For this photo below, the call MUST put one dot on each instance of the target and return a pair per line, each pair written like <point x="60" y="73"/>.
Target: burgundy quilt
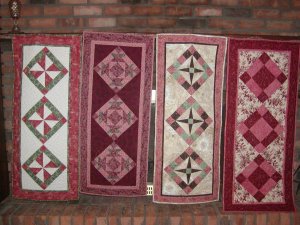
<point x="260" y="125"/>
<point x="46" y="106"/>
<point x="115" y="113"/>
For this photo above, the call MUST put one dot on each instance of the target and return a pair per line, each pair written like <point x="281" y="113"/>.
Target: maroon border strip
<point x="112" y="38"/>
<point x="75" y="44"/>
<point x="232" y="78"/>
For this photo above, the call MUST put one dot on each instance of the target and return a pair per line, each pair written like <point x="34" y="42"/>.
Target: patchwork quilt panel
<point x="190" y="71"/>
<point x="115" y="113"/>
<point x="260" y="125"/>
<point x="45" y="128"/>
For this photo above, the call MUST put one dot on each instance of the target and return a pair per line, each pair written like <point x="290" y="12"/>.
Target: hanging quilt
<point x="260" y="125"/>
<point x="190" y="72"/>
<point x="115" y="113"/>
<point x="45" y="129"/>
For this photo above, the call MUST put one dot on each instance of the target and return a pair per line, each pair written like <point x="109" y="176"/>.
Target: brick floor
<point x="91" y="210"/>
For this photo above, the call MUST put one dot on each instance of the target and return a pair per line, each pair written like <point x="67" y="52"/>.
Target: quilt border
<point x="148" y="40"/>
<point x="161" y="39"/>
<point x="72" y="41"/>
<point x="230" y="122"/>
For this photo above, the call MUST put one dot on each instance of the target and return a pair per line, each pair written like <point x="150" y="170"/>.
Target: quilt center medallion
<point x="113" y="163"/>
<point x="115" y="117"/>
<point x="117" y="69"/>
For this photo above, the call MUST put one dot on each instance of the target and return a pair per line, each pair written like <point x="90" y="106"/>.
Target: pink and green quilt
<point x="45" y="129"/>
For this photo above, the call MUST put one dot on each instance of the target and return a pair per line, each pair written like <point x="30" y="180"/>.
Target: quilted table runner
<point x="190" y="72"/>
<point x="115" y="113"/>
<point x="45" y="132"/>
<point x="260" y="125"/>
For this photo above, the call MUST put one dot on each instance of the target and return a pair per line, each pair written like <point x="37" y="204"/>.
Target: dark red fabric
<point x="101" y="93"/>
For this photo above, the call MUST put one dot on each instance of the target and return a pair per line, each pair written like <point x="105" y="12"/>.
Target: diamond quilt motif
<point x="117" y="69"/>
<point x="259" y="178"/>
<point x="45" y="70"/>
<point x="115" y="117"/>
<point x="190" y="175"/>
<point x="44" y="119"/>
<point x="43" y="167"/>
<point x="193" y="75"/>
<point x="196" y="122"/>
<point x="263" y="78"/>
<point x="260" y="129"/>
<point x="113" y="163"/>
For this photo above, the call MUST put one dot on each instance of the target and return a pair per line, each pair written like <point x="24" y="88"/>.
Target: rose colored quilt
<point x="115" y="113"/>
<point x="260" y="125"/>
<point x="45" y="129"/>
<point x="190" y="71"/>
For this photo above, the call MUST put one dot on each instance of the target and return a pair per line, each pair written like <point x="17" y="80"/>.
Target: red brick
<point x="297" y="217"/>
<point x="30" y="213"/>
<point x="237" y="219"/>
<point x="102" y="22"/>
<point x="103" y="1"/>
<point x="245" y="3"/>
<point x="161" y="22"/>
<point x="285" y="218"/>
<point x="58" y="10"/>
<point x="31" y="11"/>
<point x="71" y="22"/>
<point x="114" y="214"/>
<point x="78" y="215"/>
<point x="55" y="211"/>
<point x="291" y="14"/>
<point x="131" y="22"/>
<point x="178" y="11"/>
<point x="261" y="219"/>
<point x="18" y="217"/>
<point x="8" y="23"/>
<point x="126" y="214"/>
<point x="42" y="214"/>
<point x="270" y="3"/>
<point x="73" y="1"/>
<point x="296" y="3"/>
<point x="222" y="23"/>
<point x="195" y="1"/>
<point x="65" y="216"/>
<point x="251" y="24"/>
<point x="42" y="22"/>
<point x="211" y="215"/>
<point x="208" y="11"/>
<point x="175" y="214"/>
<point x="117" y="10"/>
<point x="150" y="214"/>
<point x="4" y="11"/>
<point x="164" y="1"/>
<point x="101" y="216"/>
<point x="224" y="2"/>
<point x="279" y="25"/>
<point x="199" y="215"/>
<point x="87" y="10"/>
<point x="5" y="214"/>
<point x="139" y="212"/>
<point x="266" y="13"/>
<point x="187" y="215"/>
<point x="147" y="10"/>
<point x="161" y="212"/>
<point x="250" y="218"/>
<point x="273" y="218"/>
